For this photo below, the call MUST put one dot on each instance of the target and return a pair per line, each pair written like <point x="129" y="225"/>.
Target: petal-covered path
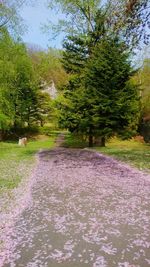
<point x="86" y="210"/>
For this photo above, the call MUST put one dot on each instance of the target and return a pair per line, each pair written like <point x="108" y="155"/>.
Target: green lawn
<point x="133" y="152"/>
<point x="17" y="162"/>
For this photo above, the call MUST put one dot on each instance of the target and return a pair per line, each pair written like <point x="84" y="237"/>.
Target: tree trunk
<point x="98" y="141"/>
<point x="1" y="135"/>
<point x="103" y="141"/>
<point x="90" y="140"/>
<point x="41" y="123"/>
<point x="15" y="117"/>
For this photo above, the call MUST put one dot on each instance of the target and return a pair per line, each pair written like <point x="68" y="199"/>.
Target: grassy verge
<point x="16" y="162"/>
<point x="133" y="152"/>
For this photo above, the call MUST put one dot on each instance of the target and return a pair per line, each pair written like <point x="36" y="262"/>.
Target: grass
<point x="17" y="162"/>
<point x="134" y="152"/>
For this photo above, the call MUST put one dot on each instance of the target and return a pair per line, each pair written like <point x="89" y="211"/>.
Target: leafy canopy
<point x="127" y="18"/>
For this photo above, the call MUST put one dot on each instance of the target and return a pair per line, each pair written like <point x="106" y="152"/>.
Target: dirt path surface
<point x="86" y="210"/>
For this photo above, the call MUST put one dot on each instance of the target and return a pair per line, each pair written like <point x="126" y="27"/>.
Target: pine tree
<point x="99" y="88"/>
<point x="113" y="101"/>
<point x="105" y="102"/>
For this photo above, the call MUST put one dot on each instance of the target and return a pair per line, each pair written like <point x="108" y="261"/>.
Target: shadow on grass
<point x="74" y="141"/>
<point x="29" y="152"/>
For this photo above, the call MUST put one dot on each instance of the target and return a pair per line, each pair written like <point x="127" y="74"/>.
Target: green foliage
<point x="43" y="108"/>
<point x="81" y="13"/>
<point x="100" y="100"/>
<point x="10" y="17"/>
<point x="143" y="77"/>
<point x="22" y="103"/>
<point x="48" y="67"/>
<point x="5" y="122"/>
<point x="75" y="54"/>
<point x="127" y="19"/>
<point x="114" y="99"/>
<point x="70" y="107"/>
<point x="7" y="74"/>
<point x="75" y="141"/>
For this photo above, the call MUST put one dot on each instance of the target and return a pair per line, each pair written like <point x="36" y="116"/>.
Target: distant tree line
<point x="25" y="72"/>
<point x="143" y="77"/>
<point x="22" y="104"/>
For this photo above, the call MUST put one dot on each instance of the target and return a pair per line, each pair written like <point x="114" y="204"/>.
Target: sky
<point x="34" y="17"/>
